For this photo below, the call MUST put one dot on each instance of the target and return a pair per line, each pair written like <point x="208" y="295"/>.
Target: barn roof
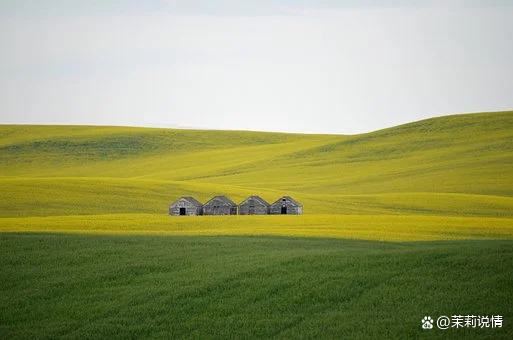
<point x="223" y="199"/>
<point x="290" y="199"/>
<point x="193" y="200"/>
<point x="190" y="199"/>
<point x="257" y="198"/>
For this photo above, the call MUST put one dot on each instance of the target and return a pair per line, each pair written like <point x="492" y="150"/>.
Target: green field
<point x="399" y="223"/>
<point x="248" y="287"/>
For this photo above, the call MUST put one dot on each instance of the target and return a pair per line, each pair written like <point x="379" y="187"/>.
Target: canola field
<point x="394" y="228"/>
<point x="448" y="177"/>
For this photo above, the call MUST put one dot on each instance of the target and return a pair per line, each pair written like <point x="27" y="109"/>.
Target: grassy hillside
<point x="454" y="165"/>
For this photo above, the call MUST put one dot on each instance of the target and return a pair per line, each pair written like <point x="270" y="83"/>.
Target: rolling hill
<point x="455" y="165"/>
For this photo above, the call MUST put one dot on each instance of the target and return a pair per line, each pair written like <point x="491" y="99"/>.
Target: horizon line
<point x="163" y="126"/>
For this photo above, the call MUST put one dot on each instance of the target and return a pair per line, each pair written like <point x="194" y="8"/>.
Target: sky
<point x="328" y="66"/>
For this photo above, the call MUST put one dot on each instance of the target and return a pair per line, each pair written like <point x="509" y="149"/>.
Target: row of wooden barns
<point x="222" y="205"/>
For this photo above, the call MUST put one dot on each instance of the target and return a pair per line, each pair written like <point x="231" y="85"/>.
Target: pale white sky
<point x="302" y="66"/>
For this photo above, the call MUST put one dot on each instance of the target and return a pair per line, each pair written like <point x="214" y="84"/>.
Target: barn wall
<point x="222" y="208"/>
<point x="260" y="208"/>
<point x="190" y="209"/>
<point x="292" y="209"/>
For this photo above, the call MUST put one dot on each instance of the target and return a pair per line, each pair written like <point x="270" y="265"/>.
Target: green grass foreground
<point x="73" y="286"/>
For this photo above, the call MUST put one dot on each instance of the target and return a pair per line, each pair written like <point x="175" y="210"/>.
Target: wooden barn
<point x="254" y="205"/>
<point x="220" y="205"/>
<point x="286" y="206"/>
<point x="186" y="206"/>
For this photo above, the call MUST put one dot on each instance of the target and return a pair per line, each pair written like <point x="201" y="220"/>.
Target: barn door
<point x="251" y="210"/>
<point x="182" y="212"/>
<point x="284" y="210"/>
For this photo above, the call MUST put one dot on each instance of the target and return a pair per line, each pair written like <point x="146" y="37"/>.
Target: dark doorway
<point x="284" y="210"/>
<point x="182" y="211"/>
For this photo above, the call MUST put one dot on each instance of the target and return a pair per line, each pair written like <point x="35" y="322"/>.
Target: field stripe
<point x="398" y="228"/>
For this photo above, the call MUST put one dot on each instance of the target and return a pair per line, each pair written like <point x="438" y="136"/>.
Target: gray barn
<point x="286" y="206"/>
<point x="184" y="206"/>
<point x="254" y="205"/>
<point x="220" y="205"/>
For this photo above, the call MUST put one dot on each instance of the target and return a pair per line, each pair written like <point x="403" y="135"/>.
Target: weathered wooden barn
<point x="254" y="205"/>
<point x="220" y="205"/>
<point x="185" y="206"/>
<point x="286" y="206"/>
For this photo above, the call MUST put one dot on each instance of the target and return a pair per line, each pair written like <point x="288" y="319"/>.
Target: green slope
<point x="454" y="165"/>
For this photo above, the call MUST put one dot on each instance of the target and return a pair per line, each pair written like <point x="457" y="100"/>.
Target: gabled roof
<point x="190" y="199"/>
<point x="256" y="198"/>
<point x="223" y="199"/>
<point x="290" y="199"/>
